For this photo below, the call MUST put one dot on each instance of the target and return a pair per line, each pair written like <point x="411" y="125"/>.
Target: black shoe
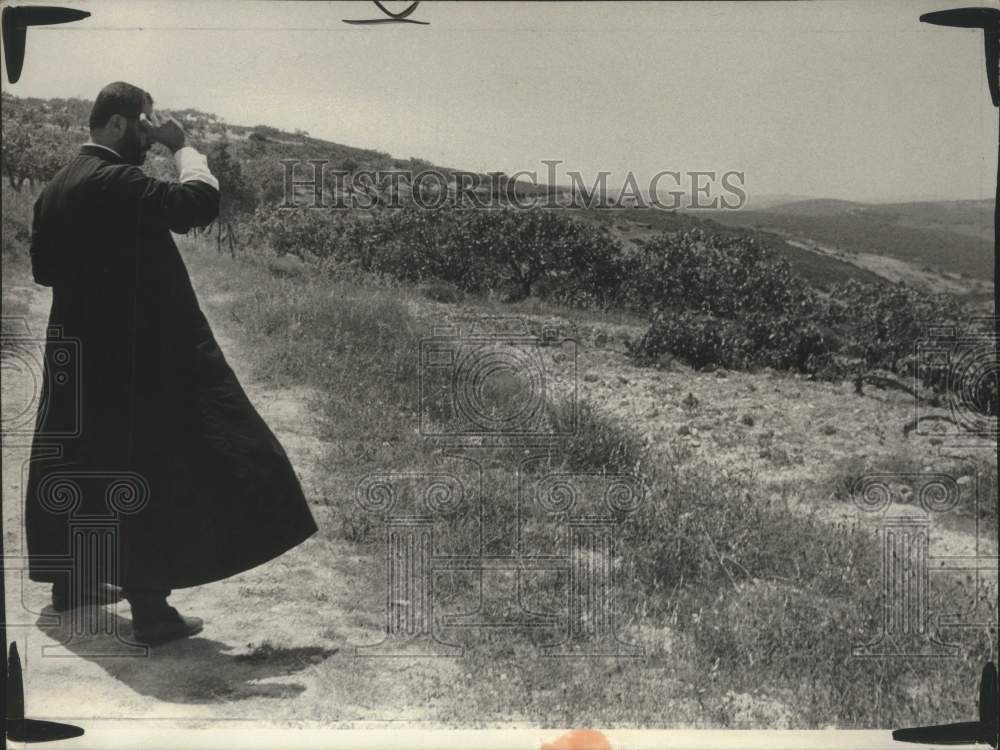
<point x="105" y="593"/>
<point x="173" y="627"/>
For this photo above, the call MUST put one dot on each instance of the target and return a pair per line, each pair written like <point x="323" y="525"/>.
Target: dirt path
<point x="279" y="640"/>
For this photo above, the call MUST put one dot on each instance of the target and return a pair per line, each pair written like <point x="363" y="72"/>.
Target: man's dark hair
<point x="118" y="98"/>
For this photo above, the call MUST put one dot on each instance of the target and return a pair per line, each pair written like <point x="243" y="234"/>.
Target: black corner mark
<point x="15" y="22"/>
<point x="20" y="729"/>
<point x="401" y="17"/>
<point x="987" y="19"/>
<point x="965" y="732"/>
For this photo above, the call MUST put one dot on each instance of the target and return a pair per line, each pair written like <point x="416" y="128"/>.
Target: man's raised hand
<point x="165" y="130"/>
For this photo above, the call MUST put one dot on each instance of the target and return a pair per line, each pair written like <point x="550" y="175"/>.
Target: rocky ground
<point x="797" y="436"/>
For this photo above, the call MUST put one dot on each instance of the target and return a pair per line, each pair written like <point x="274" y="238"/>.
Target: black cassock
<point x="141" y="422"/>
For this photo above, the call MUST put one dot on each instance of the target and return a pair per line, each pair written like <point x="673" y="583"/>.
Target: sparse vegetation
<point x="739" y="594"/>
<point x="508" y="252"/>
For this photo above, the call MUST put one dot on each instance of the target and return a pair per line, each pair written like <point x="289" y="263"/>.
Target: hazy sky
<point x="834" y="99"/>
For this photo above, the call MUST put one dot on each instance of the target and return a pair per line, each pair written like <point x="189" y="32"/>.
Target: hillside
<point x="745" y="541"/>
<point x="66" y="121"/>
<point x="820" y="238"/>
<point x="72" y="114"/>
<point x="733" y="593"/>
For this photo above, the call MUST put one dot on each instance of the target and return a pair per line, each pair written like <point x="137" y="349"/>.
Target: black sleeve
<point x="177" y="206"/>
<point x="45" y="261"/>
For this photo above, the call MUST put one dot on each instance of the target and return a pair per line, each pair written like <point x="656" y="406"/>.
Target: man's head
<point x="114" y="120"/>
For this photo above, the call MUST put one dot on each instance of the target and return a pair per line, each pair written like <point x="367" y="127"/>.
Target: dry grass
<point x="746" y="606"/>
<point x="748" y="609"/>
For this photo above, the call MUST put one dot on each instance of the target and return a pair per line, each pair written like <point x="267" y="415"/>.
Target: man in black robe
<point x="143" y="426"/>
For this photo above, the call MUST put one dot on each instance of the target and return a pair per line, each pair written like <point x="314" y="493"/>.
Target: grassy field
<point x="750" y="608"/>
<point x="745" y="580"/>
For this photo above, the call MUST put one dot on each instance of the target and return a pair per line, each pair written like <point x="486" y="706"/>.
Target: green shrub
<point x="724" y="301"/>
<point x="731" y="302"/>
<point x="757" y="340"/>
<point x="503" y="250"/>
<point x="721" y="276"/>
<point x="886" y="323"/>
<point x="713" y="300"/>
<point x="700" y="339"/>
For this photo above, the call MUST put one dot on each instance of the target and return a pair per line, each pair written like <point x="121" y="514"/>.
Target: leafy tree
<point x="237" y="197"/>
<point x="63" y="119"/>
<point x="256" y="145"/>
<point x="31" y="150"/>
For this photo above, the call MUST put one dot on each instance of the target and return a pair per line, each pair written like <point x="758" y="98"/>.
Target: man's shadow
<point x="189" y="670"/>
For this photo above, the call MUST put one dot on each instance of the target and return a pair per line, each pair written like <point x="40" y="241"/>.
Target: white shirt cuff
<point x="193" y="165"/>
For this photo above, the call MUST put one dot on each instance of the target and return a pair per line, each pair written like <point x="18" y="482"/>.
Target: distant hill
<point x="759" y="202"/>
<point x="817" y="207"/>
<point x="971" y="217"/>
<point x="947" y="237"/>
<point x="974" y="218"/>
<point x="636" y="224"/>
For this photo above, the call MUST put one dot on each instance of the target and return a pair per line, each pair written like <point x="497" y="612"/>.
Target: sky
<point x="852" y="100"/>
